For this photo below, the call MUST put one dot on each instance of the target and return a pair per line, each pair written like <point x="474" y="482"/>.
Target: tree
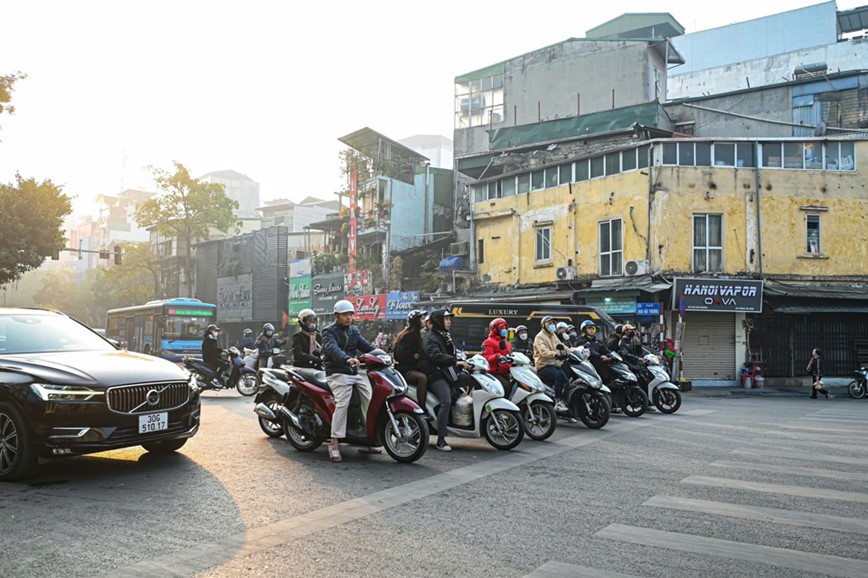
<point x="7" y="85"/>
<point x="32" y="225"/>
<point x="137" y="281"/>
<point x="187" y="210"/>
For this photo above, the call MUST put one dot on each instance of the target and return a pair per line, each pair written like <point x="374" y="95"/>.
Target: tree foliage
<point x="33" y="214"/>
<point x="187" y="209"/>
<point x="7" y="85"/>
<point x="135" y="282"/>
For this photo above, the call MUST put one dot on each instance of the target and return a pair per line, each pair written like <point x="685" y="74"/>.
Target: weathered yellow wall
<point x="678" y="194"/>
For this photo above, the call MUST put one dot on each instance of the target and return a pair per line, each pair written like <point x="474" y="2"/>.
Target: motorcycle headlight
<point x="493" y="386"/>
<point x="51" y="392"/>
<point x="399" y="385"/>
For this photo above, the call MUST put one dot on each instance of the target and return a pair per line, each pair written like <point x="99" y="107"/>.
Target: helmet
<point x="571" y="327"/>
<point x="544" y="322"/>
<point x="628" y="328"/>
<point x="619" y="329"/>
<point x="304" y="314"/>
<point x="520" y="328"/>
<point x="496" y="324"/>
<point x="268" y="329"/>
<point x="211" y="327"/>
<point x="562" y="325"/>
<point x="233" y="351"/>
<point x="587" y="323"/>
<point x="248" y="331"/>
<point x="344" y="306"/>
<point x="414" y="315"/>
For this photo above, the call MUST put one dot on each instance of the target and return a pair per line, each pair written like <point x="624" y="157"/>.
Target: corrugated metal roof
<point x="853" y="20"/>
<point x="639" y="24"/>
<point x="367" y="141"/>
<point x="823" y="308"/>
<point x="816" y="290"/>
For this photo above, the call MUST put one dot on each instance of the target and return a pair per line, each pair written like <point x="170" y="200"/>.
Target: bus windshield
<point x="185" y="327"/>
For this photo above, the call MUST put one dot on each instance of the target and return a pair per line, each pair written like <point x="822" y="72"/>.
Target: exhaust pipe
<point x="263" y="410"/>
<point x="287" y="414"/>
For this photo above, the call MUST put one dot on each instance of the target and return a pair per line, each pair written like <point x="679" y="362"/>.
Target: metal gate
<point x="709" y="346"/>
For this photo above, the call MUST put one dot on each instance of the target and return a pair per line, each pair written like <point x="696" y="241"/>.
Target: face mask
<point x="311" y="327"/>
<point x="212" y="335"/>
<point x="551" y="328"/>
<point x="269" y="333"/>
<point x="503" y="332"/>
<point x="522" y="335"/>
<point x="573" y="334"/>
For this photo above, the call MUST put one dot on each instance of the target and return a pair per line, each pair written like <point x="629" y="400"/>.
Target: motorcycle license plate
<point x="153" y="422"/>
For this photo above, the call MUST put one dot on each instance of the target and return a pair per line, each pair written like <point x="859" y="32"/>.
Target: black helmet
<point x="414" y="316"/>
<point x="268" y="329"/>
<point x="619" y="328"/>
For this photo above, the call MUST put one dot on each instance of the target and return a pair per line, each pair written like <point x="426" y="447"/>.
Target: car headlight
<point x="51" y="392"/>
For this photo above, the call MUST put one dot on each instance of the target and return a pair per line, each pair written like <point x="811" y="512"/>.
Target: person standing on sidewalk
<point x="816" y="373"/>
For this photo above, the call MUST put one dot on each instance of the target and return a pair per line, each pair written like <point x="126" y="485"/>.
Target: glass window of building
<point x="582" y="170"/>
<point x="724" y="154"/>
<point x="628" y="160"/>
<point x="479" y="102"/>
<point x="543" y="245"/>
<point x="772" y="155"/>
<point x="537" y="180"/>
<point x="707" y="243"/>
<point x="551" y="177"/>
<point x="703" y="154"/>
<point x="686" y="156"/>
<point x="598" y="167"/>
<point x="670" y="153"/>
<point x="523" y="183"/>
<point x="744" y="155"/>
<point x="611" y="248"/>
<point x="508" y="186"/>
<point x="812" y="223"/>
<point x="613" y="163"/>
<point x="566" y="173"/>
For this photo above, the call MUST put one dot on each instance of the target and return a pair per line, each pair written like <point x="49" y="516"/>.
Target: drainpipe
<point x="650" y="199"/>
<point x="759" y="236"/>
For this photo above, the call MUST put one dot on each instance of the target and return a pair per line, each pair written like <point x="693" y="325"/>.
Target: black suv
<point x="66" y="390"/>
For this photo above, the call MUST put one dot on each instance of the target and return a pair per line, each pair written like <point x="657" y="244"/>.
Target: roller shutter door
<point x="709" y="346"/>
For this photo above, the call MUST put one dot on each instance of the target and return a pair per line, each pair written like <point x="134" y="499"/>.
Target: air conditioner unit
<point x="458" y="249"/>
<point x="636" y="268"/>
<point x="566" y="273"/>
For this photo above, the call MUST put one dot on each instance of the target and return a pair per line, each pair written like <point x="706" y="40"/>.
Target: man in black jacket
<point x="211" y="352"/>
<point x="599" y="353"/>
<point x="341" y="341"/>
<point x="307" y="343"/>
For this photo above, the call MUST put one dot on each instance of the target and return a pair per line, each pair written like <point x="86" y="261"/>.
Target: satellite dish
<point x="820" y="129"/>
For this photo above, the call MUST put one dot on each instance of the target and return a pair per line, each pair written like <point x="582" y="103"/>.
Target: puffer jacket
<point x="340" y="344"/>
<point x="545" y="349"/>
<point x="491" y="351"/>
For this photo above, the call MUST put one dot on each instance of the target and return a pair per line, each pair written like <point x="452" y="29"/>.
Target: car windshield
<point x="43" y="332"/>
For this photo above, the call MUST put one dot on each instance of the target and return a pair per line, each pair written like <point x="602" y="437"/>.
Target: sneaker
<point x="829" y="396"/>
<point x="560" y="406"/>
<point x="572" y="420"/>
<point x="443" y="447"/>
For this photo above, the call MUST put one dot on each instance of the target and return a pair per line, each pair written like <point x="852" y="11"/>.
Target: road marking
<point x="808" y="457"/>
<point x="775" y="515"/>
<point x="832" y="438"/>
<point x="835" y="419"/>
<point x="193" y="560"/>
<point x="860" y="431"/>
<point x="772" y="469"/>
<point x="562" y="570"/>
<point x="754" y="553"/>
<point x="853" y="449"/>
<point x="817" y="493"/>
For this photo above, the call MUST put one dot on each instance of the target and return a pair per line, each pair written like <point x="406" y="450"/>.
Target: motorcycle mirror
<point x="560" y="347"/>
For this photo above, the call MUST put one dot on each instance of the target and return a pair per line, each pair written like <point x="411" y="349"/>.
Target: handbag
<point x="450" y="373"/>
<point x="818" y="385"/>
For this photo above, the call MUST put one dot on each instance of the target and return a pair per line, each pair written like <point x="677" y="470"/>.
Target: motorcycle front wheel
<point x="273" y="429"/>
<point x="247" y="384"/>
<point x="410" y="441"/>
<point x="503" y="429"/>
<point x="540" y="420"/>
<point x="856" y="389"/>
<point x="667" y="400"/>
<point x="600" y="410"/>
<point x="303" y="443"/>
<point x="635" y="402"/>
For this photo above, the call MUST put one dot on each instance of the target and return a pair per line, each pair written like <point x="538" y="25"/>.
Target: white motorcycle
<point x="663" y="393"/>
<point x="528" y="393"/>
<point x="480" y="411"/>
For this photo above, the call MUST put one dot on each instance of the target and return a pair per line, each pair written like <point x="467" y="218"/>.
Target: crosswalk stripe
<point x="858" y="449"/>
<point x="773" y="469"/>
<point x="786" y="490"/>
<point x="856" y="431"/>
<point x="774" y="515"/>
<point x="805" y="456"/>
<point x="833" y="438"/>
<point x="562" y="570"/>
<point x="835" y="419"/>
<point x="754" y="553"/>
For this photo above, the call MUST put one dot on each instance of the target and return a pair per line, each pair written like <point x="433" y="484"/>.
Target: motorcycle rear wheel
<point x="601" y="409"/>
<point x="414" y="431"/>
<point x="298" y="440"/>
<point x="635" y="402"/>
<point x="511" y="425"/>
<point x="540" y="420"/>
<point x="667" y="400"/>
<point x="856" y="389"/>
<point x="247" y="384"/>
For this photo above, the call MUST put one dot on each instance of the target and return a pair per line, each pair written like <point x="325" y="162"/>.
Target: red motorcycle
<point x="392" y="421"/>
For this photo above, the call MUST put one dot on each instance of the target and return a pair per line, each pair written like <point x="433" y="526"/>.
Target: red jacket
<point x="491" y="351"/>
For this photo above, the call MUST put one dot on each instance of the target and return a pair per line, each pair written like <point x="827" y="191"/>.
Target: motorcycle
<point x="528" y="393"/>
<point x="857" y="387"/>
<point x="627" y="394"/>
<point x="233" y="374"/>
<point x="664" y="394"/>
<point x="585" y="395"/>
<point x="305" y="412"/>
<point x="480" y="410"/>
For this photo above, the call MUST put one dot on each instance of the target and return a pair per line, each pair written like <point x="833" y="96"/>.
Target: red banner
<point x="370" y="307"/>
<point x="354" y="200"/>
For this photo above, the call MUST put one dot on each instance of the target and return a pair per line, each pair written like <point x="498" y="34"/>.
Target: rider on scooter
<point x="212" y="352"/>
<point x="522" y="344"/>
<point x="494" y="348"/>
<point x="598" y="351"/>
<point x="549" y="352"/>
<point x="629" y="347"/>
<point x="267" y="342"/>
<point x="341" y="343"/>
<point x="307" y="343"/>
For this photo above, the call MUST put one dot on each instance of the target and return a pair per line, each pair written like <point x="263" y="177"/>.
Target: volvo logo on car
<point x="153" y="397"/>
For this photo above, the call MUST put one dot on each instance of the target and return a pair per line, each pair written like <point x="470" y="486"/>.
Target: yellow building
<point x="783" y="210"/>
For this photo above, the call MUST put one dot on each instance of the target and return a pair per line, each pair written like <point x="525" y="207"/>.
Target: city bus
<point x="169" y="328"/>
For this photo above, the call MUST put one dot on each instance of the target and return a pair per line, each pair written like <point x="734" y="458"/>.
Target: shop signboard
<point x="614" y="304"/>
<point x="235" y="298"/>
<point x="369" y="307"/>
<point x="717" y="295"/>
<point x="299" y="295"/>
<point x="399" y="303"/>
<point x="647" y="309"/>
<point x="299" y="268"/>
<point x="325" y="290"/>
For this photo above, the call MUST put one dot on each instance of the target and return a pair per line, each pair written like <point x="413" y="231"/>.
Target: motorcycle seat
<point x="314" y="376"/>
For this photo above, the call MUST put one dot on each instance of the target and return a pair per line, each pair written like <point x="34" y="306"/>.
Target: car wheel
<point x="165" y="446"/>
<point x="17" y="457"/>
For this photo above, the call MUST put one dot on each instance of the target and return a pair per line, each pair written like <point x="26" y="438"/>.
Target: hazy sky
<point x="264" y="88"/>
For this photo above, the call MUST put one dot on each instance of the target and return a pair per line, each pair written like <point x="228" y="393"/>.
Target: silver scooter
<point x="528" y="393"/>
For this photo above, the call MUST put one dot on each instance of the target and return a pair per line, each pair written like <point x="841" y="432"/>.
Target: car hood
<point x="94" y="368"/>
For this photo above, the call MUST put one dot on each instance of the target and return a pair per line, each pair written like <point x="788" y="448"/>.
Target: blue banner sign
<point x="647" y="309"/>
<point x="398" y="304"/>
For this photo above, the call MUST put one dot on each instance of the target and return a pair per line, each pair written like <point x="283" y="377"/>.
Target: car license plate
<point x="153" y="422"/>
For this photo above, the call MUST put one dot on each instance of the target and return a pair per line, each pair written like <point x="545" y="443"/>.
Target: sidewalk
<point x="793" y="391"/>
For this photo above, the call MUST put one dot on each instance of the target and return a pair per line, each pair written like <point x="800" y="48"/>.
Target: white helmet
<point x="344" y="306"/>
<point x="562" y="325"/>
